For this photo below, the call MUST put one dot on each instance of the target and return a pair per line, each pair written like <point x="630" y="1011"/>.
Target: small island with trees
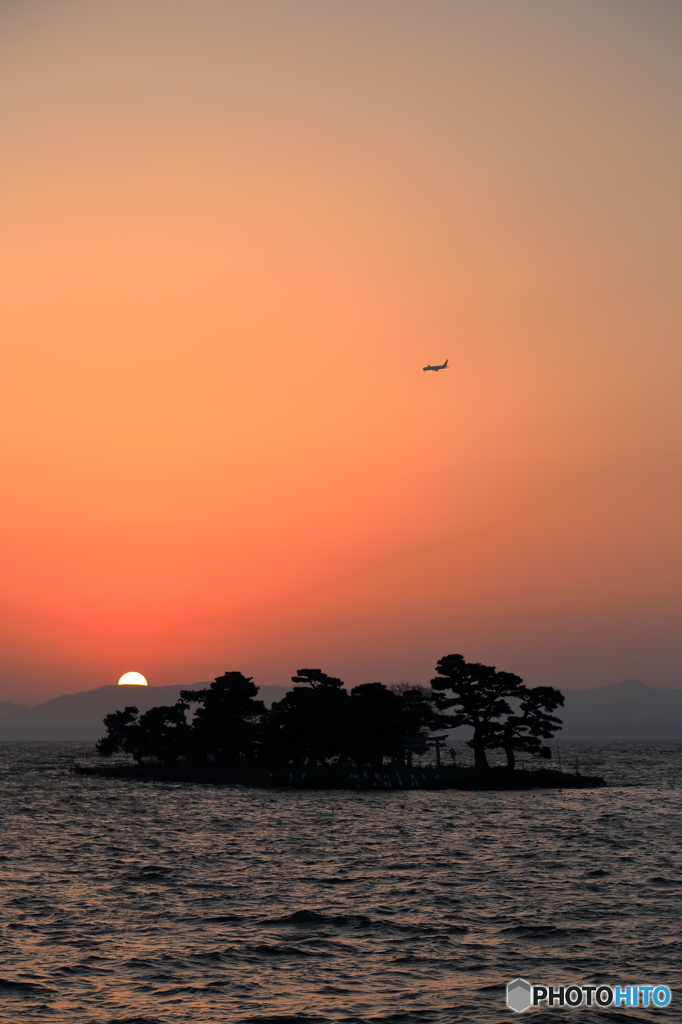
<point x="323" y="736"/>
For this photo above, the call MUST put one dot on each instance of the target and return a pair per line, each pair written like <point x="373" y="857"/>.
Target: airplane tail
<point x="445" y="363"/>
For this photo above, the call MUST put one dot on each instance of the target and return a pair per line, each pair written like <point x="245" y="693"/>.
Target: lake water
<point x="152" y="902"/>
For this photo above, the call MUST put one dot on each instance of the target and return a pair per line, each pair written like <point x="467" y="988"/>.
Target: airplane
<point x="436" y="368"/>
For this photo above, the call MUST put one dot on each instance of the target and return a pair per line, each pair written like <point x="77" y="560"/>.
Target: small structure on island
<point x="413" y="743"/>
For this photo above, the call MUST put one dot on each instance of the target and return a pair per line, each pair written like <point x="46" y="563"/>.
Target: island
<point x="323" y="736"/>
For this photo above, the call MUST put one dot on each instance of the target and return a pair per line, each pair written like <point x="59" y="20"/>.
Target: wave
<point x="354" y="922"/>
<point x="544" y="931"/>
<point x="23" y="987"/>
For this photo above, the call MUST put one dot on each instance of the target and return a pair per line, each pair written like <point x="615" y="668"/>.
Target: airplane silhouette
<point x="444" y="366"/>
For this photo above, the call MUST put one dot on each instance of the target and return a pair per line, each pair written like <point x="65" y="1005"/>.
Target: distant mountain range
<point x="625" y="711"/>
<point x="79" y="716"/>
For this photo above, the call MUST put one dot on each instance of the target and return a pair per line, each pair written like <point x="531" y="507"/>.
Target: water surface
<point x="153" y="902"/>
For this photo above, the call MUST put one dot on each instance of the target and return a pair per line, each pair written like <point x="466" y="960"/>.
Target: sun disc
<point x="132" y="679"/>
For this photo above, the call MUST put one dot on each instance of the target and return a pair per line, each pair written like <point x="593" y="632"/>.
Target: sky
<point x="233" y="234"/>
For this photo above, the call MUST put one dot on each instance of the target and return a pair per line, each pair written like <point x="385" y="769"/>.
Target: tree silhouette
<point x="524" y="731"/>
<point x="163" y="733"/>
<point x="418" y="710"/>
<point x="480" y="696"/>
<point x="122" y="734"/>
<point x="317" y="679"/>
<point x="226" y="723"/>
<point x="306" y="726"/>
<point x="320" y="723"/>
<point x="372" y="726"/>
<point x="379" y="718"/>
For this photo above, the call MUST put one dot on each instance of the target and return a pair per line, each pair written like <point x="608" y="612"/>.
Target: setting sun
<point x="132" y="679"/>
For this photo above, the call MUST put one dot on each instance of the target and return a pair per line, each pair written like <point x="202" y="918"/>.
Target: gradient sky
<point x="233" y="234"/>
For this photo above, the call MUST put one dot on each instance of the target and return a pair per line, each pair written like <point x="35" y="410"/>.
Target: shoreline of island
<point x="395" y="780"/>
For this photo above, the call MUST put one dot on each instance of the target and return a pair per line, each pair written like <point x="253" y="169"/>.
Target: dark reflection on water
<point x="145" y="903"/>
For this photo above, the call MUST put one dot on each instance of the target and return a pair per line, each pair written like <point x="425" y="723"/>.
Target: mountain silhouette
<point x="629" y="710"/>
<point x="80" y="716"/>
<point x="623" y="711"/>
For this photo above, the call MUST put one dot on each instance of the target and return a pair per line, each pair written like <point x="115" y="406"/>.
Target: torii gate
<point x="423" y="741"/>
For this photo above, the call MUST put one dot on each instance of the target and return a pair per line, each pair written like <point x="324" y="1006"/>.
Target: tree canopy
<point x="226" y="723"/>
<point x="321" y="724"/>
<point x="479" y="696"/>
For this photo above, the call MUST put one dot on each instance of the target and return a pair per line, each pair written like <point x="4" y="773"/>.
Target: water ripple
<point x="145" y="903"/>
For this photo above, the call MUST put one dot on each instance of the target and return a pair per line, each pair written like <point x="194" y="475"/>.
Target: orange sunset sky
<point x="233" y="234"/>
